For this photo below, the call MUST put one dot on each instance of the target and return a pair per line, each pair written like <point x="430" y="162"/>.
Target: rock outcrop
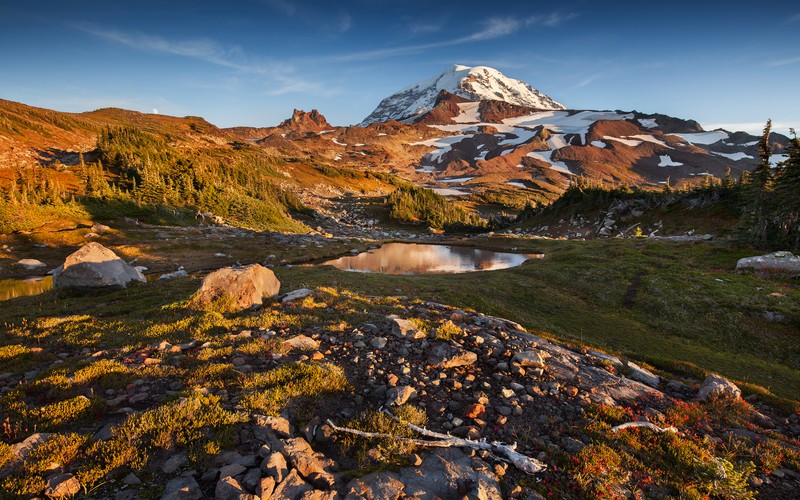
<point x="771" y="263"/>
<point x="239" y="287"/>
<point x="92" y="267"/>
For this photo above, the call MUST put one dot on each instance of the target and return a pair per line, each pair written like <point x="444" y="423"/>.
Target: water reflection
<point x="11" y="289"/>
<point x="415" y="258"/>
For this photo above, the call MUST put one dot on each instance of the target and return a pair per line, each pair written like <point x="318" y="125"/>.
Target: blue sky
<point x="250" y="62"/>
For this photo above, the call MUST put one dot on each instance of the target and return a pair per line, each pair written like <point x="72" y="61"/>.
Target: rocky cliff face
<point x="306" y="122"/>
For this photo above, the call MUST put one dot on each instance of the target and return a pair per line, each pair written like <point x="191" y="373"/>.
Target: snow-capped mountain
<point x="476" y="84"/>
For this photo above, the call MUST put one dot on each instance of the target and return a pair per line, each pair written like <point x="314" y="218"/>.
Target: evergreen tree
<point x="787" y="194"/>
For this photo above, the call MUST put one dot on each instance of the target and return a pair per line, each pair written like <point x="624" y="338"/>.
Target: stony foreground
<point x="239" y="411"/>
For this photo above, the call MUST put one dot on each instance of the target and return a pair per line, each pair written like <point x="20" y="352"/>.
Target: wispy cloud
<point x="588" y="81"/>
<point x="495" y="27"/>
<point x="418" y="29"/>
<point x="552" y="20"/>
<point x="793" y="19"/>
<point x="344" y="23"/>
<point x="282" y="6"/>
<point x="782" y="62"/>
<point x="281" y="77"/>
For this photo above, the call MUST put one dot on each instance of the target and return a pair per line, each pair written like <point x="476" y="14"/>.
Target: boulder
<point x="274" y="466"/>
<point x="299" y="453"/>
<point x="400" y="395"/>
<point x="94" y="266"/>
<point x="405" y="329"/>
<point x="229" y="488"/>
<point x="30" y="264"/>
<point x="449" y="356"/>
<point x="293" y="487"/>
<point x="715" y="386"/>
<point x="296" y="295"/>
<point x="383" y="485"/>
<point x="182" y="488"/>
<point x="776" y="262"/>
<point x="529" y="358"/>
<point x="62" y="485"/>
<point x="239" y="287"/>
<point x="642" y="375"/>
<point x="449" y="473"/>
<point x="302" y="343"/>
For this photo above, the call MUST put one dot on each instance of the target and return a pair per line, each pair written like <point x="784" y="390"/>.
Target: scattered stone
<point x="31" y="264"/>
<point x="180" y="273"/>
<point x="231" y="470"/>
<point x="275" y="467"/>
<point x="716" y="386"/>
<point x="299" y="453"/>
<point x="296" y="295"/>
<point x="399" y="396"/>
<point x="292" y="487"/>
<point x="265" y="487"/>
<point x="62" y="485"/>
<point x="94" y="266"/>
<point x="239" y="287"/>
<point x="182" y="488"/>
<point x="378" y="485"/>
<point x="229" y="488"/>
<point x="448" y="356"/>
<point x="476" y="410"/>
<point x="529" y="358"/>
<point x="131" y="480"/>
<point x="405" y="329"/>
<point x="379" y="342"/>
<point x="279" y="425"/>
<point x="174" y="463"/>
<point x="302" y="343"/>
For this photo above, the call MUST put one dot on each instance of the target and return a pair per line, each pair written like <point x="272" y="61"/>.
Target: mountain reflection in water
<point x="415" y="258"/>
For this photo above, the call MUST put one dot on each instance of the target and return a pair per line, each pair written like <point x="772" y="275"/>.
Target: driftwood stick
<point x="522" y="462"/>
<point x="646" y="425"/>
<point x="381" y="435"/>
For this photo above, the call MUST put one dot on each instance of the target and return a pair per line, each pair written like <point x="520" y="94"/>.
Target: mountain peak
<point x="304" y="121"/>
<point x="479" y="83"/>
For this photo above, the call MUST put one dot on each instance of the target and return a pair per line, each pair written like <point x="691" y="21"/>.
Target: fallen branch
<point x="646" y="425"/>
<point x="524" y="463"/>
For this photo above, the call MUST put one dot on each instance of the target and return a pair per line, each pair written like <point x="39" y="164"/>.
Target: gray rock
<point x="252" y="479"/>
<point x="446" y="471"/>
<point x="131" y="480"/>
<point x="229" y="488"/>
<point x="239" y="287"/>
<point x="174" y="463"/>
<point x="94" y="266"/>
<point x="266" y="486"/>
<point x="275" y="467"/>
<point x="642" y="375"/>
<point x="180" y="273"/>
<point x="715" y="386"/>
<point x="300" y="455"/>
<point x="279" y="425"/>
<point x="302" y="343"/>
<point x="62" y="485"/>
<point x="777" y="262"/>
<point x="31" y="264"/>
<point x="182" y="488"/>
<point x="231" y="470"/>
<point x="291" y="488"/>
<point x="379" y="342"/>
<point x="448" y="356"/>
<point x="21" y="450"/>
<point x="398" y="396"/>
<point x="529" y="358"/>
<point x="405" y="329"/>
<point x="378" y="485"/>
<point x="296" y="295"/>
